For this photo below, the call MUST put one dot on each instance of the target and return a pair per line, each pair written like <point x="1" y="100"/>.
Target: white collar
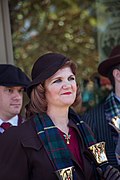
<point x="13" y="121"/>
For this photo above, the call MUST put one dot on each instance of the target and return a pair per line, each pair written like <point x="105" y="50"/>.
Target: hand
<point x="111" y="173"/>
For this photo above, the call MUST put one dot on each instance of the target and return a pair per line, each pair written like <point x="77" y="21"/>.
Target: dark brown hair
<point x="38" y="102"/>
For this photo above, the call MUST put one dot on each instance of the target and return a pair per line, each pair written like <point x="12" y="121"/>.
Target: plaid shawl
<point x="55" y="146"/>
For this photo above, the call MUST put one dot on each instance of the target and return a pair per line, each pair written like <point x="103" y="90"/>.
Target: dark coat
<point x="20" y="121"/>
<point x="26" y="159"/>
<point x="96" y="119"/>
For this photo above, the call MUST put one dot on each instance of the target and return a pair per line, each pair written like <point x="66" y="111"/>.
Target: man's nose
<point x="17" y="95"/>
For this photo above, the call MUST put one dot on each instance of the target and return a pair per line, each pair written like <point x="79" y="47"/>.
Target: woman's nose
<point x="66" y="85"/>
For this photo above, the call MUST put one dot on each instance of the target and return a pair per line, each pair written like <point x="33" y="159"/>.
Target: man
<point x="13" y="82"/>
<point x="101" y="117"/>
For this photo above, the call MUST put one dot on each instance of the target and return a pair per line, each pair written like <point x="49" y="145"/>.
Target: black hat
<point x="45" y="66"/>
<point x="11" y="75"/>
<point x="113" y="60"/>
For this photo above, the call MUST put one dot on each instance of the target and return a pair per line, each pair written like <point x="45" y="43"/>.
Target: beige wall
<point x="6" y="51"/>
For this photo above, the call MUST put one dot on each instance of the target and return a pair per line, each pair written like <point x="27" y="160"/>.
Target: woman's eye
<point x="57" y="81"/>
<point x="71" y="78"/>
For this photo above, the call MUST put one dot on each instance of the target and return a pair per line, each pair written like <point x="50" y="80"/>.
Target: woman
<point x="53" y="143"/>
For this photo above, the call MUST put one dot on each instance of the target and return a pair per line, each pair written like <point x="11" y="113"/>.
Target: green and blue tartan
<point x="55" y="146"/>
<point x="85" y="131"/>
<point x="112" y="109"/>
<point x="52" y="141"/>
<point x="112" y="106"/>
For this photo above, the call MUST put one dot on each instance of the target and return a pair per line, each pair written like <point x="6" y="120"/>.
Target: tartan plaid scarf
<point x="112" y="107"/>
<point x="53" y="142"/>
<point x="55" y="146"/>
<point x="86" y="133"/>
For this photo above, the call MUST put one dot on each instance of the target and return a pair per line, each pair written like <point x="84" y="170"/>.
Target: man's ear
<point x="116" y="74"/>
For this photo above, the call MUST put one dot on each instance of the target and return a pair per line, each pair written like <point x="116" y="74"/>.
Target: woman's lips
<point x="67" y="93"/>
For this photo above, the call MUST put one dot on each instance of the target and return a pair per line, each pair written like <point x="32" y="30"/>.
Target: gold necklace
<point x="67" y="137"/>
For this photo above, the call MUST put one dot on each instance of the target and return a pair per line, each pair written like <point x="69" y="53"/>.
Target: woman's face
<point x="61" y="88"/>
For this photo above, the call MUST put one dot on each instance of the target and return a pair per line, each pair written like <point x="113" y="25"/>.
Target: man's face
<point x="11" y="99"/>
